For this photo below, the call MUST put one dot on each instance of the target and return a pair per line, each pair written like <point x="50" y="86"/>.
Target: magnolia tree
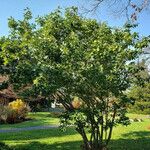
<point x="87" y="66"/>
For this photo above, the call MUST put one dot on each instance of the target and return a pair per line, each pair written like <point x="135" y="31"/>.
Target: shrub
<point x="3" y="146"/>
<point x="4" y="111"/>
<point x="18" y="111"/>
<point x="76" y="103"/>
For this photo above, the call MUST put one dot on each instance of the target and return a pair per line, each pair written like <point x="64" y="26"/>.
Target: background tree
<point x="129" y="8"/>
<point x="3" y="70"/>
<point x="85" y="65"/>
<point x="140" y="91"/>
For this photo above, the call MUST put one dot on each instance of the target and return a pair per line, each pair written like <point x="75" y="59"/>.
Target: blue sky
<point x="15" y="9"/>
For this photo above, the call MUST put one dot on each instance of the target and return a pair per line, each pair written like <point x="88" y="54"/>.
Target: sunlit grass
<point x="35" y="119"/>
<point x="133" y="137"/>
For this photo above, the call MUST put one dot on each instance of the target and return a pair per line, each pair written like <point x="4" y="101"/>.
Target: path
<point x="27" y="128"/>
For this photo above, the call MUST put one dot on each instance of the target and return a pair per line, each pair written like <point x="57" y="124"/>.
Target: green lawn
<point x="37" y="119"/>
<point x="133" y="137"/>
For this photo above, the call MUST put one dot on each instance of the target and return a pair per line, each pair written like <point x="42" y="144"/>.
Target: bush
<point x="140" y="108"/>
<point x="3" y="146"/>
<point x="76" y="103"/>
<point x="16" y="111"/>
<point x="4" y="111"/>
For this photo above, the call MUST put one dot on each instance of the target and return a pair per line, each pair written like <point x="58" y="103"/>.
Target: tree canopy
<point x="141" y="92"/>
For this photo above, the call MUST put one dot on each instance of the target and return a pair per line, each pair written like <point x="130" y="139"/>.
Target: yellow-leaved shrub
<point x="15" y="111"/>
<point x="76" y="103"/>
<point x="18" y="110"/>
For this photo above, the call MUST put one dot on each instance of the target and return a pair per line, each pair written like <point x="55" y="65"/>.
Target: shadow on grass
<point x="119" y="144"/>
<point x="129" y="141"/>
<point x="132" y="141"/>
<point x="56" y="146"/>
<point x="36" y="134"/>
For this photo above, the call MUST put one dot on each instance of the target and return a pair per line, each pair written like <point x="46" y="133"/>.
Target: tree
<point x="2" y="40"/>
<point x="129" y="8"/>
<point x="141" y="92"/>
<point x="3" y="70"/>
<point x="141" y="96"/>
<point x="85" y="65"/>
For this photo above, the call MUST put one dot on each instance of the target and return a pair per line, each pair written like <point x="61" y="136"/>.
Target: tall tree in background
<point x="68" y="56"/>
<point x="140" y="91"/>
<point x="130" y="8"/>
<point x="3" y="70"/>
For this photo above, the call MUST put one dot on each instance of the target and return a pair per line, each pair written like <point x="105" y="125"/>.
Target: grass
<point x="133" y="137"/>
<point x="36" y="119"/>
